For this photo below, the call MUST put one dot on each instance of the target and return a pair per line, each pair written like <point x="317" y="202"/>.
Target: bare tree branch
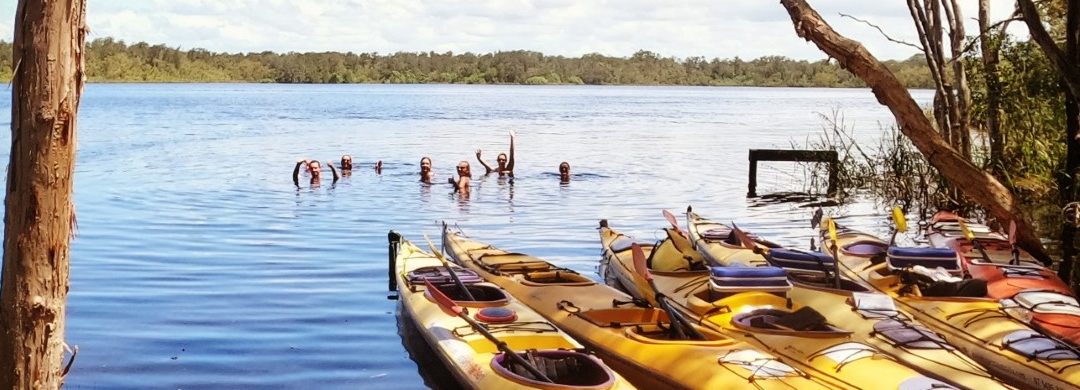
<point x="977" y="184"/>
<point x="917" y="47"/>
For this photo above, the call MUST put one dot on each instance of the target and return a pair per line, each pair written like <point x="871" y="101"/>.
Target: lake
<point x="198" y="263"/>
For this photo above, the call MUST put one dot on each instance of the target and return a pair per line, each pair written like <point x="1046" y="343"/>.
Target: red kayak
<point x="1027" y="289"/>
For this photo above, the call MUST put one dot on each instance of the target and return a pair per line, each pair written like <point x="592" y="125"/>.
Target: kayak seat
<point x="866" y="248"/>
<point x="717" y="234"/>
<point x="741" y="279"/>
<point x="799" y="260"/>
<point x="565" y="368"/>
<point x="970" y="288"/>
<point x="560" y="277"/>
<point x="481" y="294"/>
<point x="806" y="319"/>
<point x="439" y="275"/>
<point x="902" y="258"/>
<point x="1034" y="345"/>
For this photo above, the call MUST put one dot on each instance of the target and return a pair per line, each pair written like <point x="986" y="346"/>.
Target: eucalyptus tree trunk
<point x="47" y="83"/>
<point x="990" y="60"/>
<point x="980" y="186"/>
<point x="952" y="97"/>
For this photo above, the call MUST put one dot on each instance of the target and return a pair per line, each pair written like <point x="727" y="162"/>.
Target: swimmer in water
<point x="314" y="169"/>
<point x="505" y="163"/>
<point x="564" y="172"/>
<point x="427" y="176"/>
<point x="464" y="177"/>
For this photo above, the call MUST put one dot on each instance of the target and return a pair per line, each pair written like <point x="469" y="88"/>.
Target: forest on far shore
<point x="110" y="60"/>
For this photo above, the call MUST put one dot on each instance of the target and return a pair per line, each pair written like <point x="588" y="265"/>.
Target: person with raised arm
<point x="314" y="169"/>
<point x="505" y="164"/>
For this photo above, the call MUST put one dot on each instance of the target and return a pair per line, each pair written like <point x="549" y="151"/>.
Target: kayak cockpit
<point x="565" y="369"/>
<point x="484" y="295"/>
<point x="806" y="322"/>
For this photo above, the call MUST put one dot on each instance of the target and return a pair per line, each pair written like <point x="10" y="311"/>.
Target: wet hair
<point x="564" y="164"/>
<point x="425" y="158"/>
<point x="501" y="155"/>
<point x="468" y="170"/>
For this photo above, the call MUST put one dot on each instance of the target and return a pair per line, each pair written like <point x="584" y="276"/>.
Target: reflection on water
<point x="431" y="368"/>
<point x="198" y="263"/>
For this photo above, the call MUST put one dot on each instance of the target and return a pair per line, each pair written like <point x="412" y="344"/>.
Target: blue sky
<point x="709" y="28"/>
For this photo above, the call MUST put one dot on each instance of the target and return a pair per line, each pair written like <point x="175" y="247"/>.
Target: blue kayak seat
<point x="900" y="258"/>
<point x="799" y="260"/>
<point x="741" y="279"/>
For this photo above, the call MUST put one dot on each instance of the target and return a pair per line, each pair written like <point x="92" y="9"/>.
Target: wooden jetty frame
<point x="793" y="155"/>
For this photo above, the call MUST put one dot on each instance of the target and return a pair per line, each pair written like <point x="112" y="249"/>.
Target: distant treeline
<point x="110" y="60"/>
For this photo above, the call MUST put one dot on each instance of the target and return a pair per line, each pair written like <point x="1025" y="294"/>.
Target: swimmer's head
<point x="346" y="162"/>
<point x="501" y="159"/>
<point x="314" y="167"/>
<point x="463" y="168"/>
<point x="564" y="170"/>
<point x="425" y="164"/>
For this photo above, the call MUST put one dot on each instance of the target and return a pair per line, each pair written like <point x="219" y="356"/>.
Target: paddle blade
<point x="1012" y="232"/>
<point x="899" y="218"/>
<point x="639" y="261"/>
<point x="832" y="231"/>
<point x="744" y="239"/>
<point x="671" y="219"/>
<point x="964" y="228"/>
<point x="447" y="305"/>
<point x="674" y="223"/>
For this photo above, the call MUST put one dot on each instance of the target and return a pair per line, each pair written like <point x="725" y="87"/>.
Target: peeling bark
<point x="976" y="184"/>
<point x="46" y="87"/>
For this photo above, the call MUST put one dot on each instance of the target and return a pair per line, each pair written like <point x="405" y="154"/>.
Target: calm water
<point x="198" y="264"/>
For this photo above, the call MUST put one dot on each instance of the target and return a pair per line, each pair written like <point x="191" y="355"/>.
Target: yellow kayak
<point x="754" y="304"/>
<point x="631" y="336"/>
<point x="922" y="350"/>
<point x="473" y="359"/>
<point x="978" y="326"/>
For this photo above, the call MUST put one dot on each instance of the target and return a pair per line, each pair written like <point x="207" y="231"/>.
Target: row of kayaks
<point x="711" y="307"/>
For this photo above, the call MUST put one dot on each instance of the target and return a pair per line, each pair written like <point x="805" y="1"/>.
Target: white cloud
<point x="709" y="28"/>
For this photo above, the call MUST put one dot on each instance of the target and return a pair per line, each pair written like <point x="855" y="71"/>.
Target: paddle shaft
<point x="450" y="270"/>
<point x="451" y="307"/>
<point x="501" y="345"/>
<point x="836" y="264"/>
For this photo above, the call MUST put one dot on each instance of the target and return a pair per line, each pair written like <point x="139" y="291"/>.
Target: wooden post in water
<point x="826" y="156"/>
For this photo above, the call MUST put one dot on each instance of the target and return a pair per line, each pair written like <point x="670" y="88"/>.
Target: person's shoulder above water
<point x="427" y="175"/>
<point x="464" y="177"/>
